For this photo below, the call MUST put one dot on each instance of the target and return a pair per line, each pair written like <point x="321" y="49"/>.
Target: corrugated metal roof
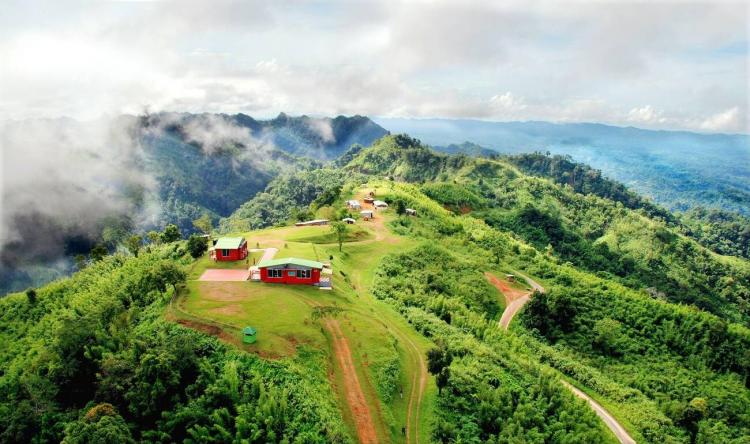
<point x="290" y="261"/>
<point x="229" y="243"/>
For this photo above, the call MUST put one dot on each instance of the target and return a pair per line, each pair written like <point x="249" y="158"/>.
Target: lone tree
<point x="696" y="410"/>
<point x="31" y="295"/>
<point x="340" y="230"/>
<point x="438" y="362"/>
<point x="442" y="378"/>
<point x="197" y="245"/>
<point x="400" y="207"/>
<point x="171" y="234"/>
<point x="438" y="358"/>
<point x="98" y="252"/>
<point x="133" y="244"/>
<point x="204" y="224"/>
<point x="153" y="237"/>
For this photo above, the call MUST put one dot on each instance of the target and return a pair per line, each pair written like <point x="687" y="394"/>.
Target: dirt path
<point x="355" y="397"/>
<point x="515" y="300"/>
<point x="417" y="392"/>
<point x="611" y="422"/>
<point x="268" y="253"/>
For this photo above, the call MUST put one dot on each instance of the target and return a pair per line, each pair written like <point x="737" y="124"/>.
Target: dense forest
<point x="91" y="359"/>
<point x="722" y="231"/>
<point x="674" y="373"/>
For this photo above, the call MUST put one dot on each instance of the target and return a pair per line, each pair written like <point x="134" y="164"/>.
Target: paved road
<point x="510" y="310"/>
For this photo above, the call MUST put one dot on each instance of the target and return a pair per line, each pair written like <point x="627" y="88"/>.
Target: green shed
<point x="249" y="335"/>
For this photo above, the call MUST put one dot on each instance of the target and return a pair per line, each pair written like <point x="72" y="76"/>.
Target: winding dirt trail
<point x="610" y="421"/>
<point x="515" y="300"/>
<point x="418" y="383"/>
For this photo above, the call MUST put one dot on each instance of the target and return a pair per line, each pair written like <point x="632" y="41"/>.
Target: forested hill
<point x="724" y="232"/>
<point x="594" y="233"/>
<point x="315" y="137"/>
<point x="619" y="236"/>
<point x="677" y="169"/>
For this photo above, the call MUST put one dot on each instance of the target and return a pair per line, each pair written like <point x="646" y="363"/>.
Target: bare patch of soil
<point x="228" y="310"/>
<point x="223" y="292"/>
<point x="510" y="293"/>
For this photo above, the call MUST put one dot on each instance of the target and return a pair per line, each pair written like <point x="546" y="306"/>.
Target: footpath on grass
<point x="515" y="300"/>
<point x="268" y="253"/>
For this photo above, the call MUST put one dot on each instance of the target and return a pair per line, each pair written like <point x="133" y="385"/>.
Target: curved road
<point x="510" y="311"/>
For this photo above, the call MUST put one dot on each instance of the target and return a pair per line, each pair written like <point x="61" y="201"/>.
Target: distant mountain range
<point x="677" y="169"/>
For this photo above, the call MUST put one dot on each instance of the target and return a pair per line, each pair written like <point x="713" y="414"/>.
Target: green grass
<point x="356" y="233"/>
<point x="282" y="318"/>
<point x="300" y="250"/>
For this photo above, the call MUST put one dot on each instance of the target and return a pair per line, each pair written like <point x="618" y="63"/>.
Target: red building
<point x="290" y="270"/>
<point x="229" y="249"/>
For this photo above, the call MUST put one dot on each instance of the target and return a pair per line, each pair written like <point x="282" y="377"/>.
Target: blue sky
<point x="672" y="65"/>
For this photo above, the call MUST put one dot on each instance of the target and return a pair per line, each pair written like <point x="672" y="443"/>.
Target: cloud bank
<point x="674" y="65"/>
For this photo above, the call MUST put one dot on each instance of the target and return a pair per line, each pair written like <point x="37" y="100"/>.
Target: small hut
<point x="510" y="278"/>
<point x="309" y="223"/>
<point x="369" y="200"/>
<point x="379" y="204"/>
<point x="411" y="212"/>
<point x="229" y="249"/>
<point x="353" y="204"/>
<point x="249" y="335"/>
<point x="348" y="220"/>
<point x="366" y="214"/>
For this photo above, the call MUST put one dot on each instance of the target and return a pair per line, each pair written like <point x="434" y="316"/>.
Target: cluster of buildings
<point x="292" y="270"/>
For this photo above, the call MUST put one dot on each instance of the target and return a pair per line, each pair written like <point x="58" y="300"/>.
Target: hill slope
<point x="99" y="354"/>
<point x="679" y="170"/>
<point x="596" y="234"/>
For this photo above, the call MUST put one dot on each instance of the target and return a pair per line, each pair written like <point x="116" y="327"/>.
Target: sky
<point x="663" y="64"/>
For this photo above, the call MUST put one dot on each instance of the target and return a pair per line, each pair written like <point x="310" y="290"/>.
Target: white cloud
<point x="507" y="102"/>
<point x="598" y="61"/>
<point x="728" y="120"/>
<point x="646" y="115"/>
